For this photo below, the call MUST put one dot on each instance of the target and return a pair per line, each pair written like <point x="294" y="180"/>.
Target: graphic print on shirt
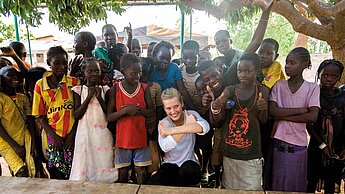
<point x="238" y="129"/>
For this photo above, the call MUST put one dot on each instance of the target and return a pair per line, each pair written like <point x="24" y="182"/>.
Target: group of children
<point x="148" y="118"/>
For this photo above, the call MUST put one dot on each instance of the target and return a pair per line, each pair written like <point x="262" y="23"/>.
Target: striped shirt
<point x="55" y="104"/>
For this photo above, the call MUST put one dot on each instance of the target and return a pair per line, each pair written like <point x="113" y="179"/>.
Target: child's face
<point x="92" y="73"/>
<point x="136" y="48"/>
<point x="204" y="56"/>
<point x="246" y="72"/>
<point x="329" y="76"/>
<point x="222" y="43"/>
<point x="173" y="108"/>
<point x="110" y="37"/>
<point x="78" y="45"/>
<point x="294" y="65"/>
<point x="163" y="57"/>
<point x="189" y="58"/>
<point x="132" y="73"/>
<point x="213" y="78"/>
<point x="59" y="64"/>
<point x="267" y="54"/>
<point x="10" y="78"/>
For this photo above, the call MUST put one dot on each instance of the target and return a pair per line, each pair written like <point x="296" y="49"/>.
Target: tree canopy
<point x="68" y="15"/>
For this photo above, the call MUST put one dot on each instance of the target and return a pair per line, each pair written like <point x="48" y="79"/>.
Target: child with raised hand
<point x="213" y="81"/>
<point x="241" y="140"/>
<point x="177" y="139"/>
<point x="129" y="103"/>
<point x="326" y="150"/>
<point x="293" y="104"/>
<point x="16" y="145"/>
<point x="93" y="139"/>
<point x="272" y="70"/>
<point x="166" y="73"/>
<point x="53" y="107"/>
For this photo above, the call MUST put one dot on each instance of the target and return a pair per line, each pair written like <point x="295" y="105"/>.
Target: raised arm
<point x="9" y="52"/>
<point x="259" y="33"/>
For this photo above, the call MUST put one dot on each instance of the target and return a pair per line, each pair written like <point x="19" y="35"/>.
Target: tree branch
<point x="321" y="9"/>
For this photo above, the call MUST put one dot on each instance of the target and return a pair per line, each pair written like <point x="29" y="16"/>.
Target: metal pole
<point x="28" y="34"/>
<point x="182" y="31"/>
<point x="16" y="27"/>
<point x="190" y="26"/>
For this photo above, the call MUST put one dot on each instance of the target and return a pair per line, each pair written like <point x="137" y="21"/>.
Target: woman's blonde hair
<point x="171" y="93"/>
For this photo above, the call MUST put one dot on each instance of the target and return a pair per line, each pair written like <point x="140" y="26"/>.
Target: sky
<point x="162" y="15"/>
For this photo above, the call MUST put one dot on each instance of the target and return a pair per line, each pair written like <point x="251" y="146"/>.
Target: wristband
<point x="322" y="146"/>
<point x="215" y="112"/>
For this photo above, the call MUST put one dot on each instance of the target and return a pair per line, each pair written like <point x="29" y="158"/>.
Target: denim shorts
<point x="140" y="157"/>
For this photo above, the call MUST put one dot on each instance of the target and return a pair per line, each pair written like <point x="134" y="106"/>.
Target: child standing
<point x="327" y="146"/>
<point x="53" y="107"/>
<point x="241" y="140"/>
<point x="129" y="104"/>
<point x="15" y="138"/>
<point x="93" y="139"/>
<point x="293" y="103"/>
<point x="167" y="73"/>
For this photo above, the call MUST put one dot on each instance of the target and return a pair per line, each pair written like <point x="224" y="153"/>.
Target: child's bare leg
<point x="123" y="175"/>
<point x="22" y="172"/>
<point x="141" y="174"/>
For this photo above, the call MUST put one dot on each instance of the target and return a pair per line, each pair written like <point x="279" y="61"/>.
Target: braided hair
<point x="327" y="62"/>
<point x="163" y="44"/>
<point x="303" y="54"/>
<point x="54" y="51"/>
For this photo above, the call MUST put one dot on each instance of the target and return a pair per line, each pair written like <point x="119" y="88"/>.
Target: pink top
<point x="306" y="96"/>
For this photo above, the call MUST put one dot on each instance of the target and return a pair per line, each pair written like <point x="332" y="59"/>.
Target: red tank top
<point x="131" y="130"/>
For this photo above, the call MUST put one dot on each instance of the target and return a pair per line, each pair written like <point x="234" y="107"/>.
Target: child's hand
<point x="128" y="30"/>
<point x="342" y="155"/>
<point x="164" y="130"/>
<point x="261" y="103"/>
<point x="98" y="92"/>
<point x="91" y="92"/>
<point x="208" y="97"/>
<point x="70" y="140"/>
<point x="132" y="110"/>
<point x="7" y="52"/>
<point x="20" y="151"/>
<point x="57" y="142"/>
<point x="219" y="102"/>
<point x="326" y="152"/>
<point x="190" y="118"/>
<point x="75" y="64"/>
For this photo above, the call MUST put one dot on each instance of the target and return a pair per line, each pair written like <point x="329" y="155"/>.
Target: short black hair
<point x="303" y="54"/>
<point x="191" y="45"/>
<point x="227" y="34"/>
<point x="273" y="42"/>
<point x="109" y="26"/>
<point x="17" y="46"/>
<point x="253" y="57"/>
<point x="163" y="44"/>
<point x="87" y="61"/>
<point x="327" y="62"/>
<point x="205" y="65"/>
<point x="89" y="38"/>
<point x="128" y="59"/>
<point x="54" y="51"/>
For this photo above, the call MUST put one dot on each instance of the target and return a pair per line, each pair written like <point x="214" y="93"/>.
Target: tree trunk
<point x="339" y="54"/>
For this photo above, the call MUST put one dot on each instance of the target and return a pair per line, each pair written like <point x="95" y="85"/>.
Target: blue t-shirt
<point x="169" y="79"/>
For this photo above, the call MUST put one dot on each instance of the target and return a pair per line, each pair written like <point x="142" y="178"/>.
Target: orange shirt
<point x="55" y="104"/>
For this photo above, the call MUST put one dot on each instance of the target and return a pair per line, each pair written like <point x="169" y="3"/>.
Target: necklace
<point x="238" y="101"/>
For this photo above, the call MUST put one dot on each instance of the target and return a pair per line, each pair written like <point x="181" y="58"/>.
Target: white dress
<point x="93" y="152"/>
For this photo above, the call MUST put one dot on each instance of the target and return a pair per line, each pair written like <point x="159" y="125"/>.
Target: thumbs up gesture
<point x="208" y="97"/>
<point x="190" y="118"/>
<point x="261" y="103"/>
<point x="219" y="102"/>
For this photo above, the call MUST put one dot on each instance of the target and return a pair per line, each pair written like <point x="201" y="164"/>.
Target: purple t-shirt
<point x="308" y="95"/>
